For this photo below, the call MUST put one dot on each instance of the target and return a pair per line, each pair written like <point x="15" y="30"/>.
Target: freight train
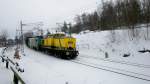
<point x="57" y="44"/>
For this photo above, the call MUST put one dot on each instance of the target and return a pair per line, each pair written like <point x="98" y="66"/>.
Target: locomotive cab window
<point x="59" y="36"/>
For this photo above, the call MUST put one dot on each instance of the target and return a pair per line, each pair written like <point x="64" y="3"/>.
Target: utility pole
<point x="21" y="25"/>
<point x="16" y="39"/>
<point x="69" y="29"/>
<point x="38" y="24"/>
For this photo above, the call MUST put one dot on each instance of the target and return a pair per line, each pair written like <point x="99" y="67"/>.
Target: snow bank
<point x="98" y="43"/>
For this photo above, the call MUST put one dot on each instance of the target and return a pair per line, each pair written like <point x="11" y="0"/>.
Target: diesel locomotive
<point x="58" y="45"/>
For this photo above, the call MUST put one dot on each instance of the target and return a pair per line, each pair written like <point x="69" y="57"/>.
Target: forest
<point x="112" y="15"/>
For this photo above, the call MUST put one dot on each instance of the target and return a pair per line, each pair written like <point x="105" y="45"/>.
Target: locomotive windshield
<point x="59" y="35"/>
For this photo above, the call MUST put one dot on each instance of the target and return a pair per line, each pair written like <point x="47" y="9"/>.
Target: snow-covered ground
<point x="5" y="75"/>
<point x="44" y="69"/>
<point x="98" y="43"/>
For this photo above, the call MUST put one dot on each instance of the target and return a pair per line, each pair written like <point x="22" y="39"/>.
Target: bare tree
<point x="4" y="36"/>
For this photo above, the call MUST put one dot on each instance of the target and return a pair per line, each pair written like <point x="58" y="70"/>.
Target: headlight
<point x="67" y="53"/>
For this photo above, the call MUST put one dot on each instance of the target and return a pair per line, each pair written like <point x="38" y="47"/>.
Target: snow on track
<point x="123" y="67"/>
<point x="114" y="70"/>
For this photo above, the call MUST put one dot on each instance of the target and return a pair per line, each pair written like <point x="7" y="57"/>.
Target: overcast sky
<point x="48" y="11"/>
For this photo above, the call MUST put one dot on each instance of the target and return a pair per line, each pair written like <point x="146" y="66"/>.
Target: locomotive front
<point x="60" y="45"/>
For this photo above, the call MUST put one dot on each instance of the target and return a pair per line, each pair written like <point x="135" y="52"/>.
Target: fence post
<point x="106" y="55"/>
<point x="15" y="80"/>
<point x="7" y="64"/>
<point x="2" y="59"/>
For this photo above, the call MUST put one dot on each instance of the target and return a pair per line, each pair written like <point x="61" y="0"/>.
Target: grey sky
<point x="48" y="11"/>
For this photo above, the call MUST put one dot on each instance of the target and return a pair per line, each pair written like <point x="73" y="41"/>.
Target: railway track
<point x="120" y="62"/>
<point x="114" y="70"/>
